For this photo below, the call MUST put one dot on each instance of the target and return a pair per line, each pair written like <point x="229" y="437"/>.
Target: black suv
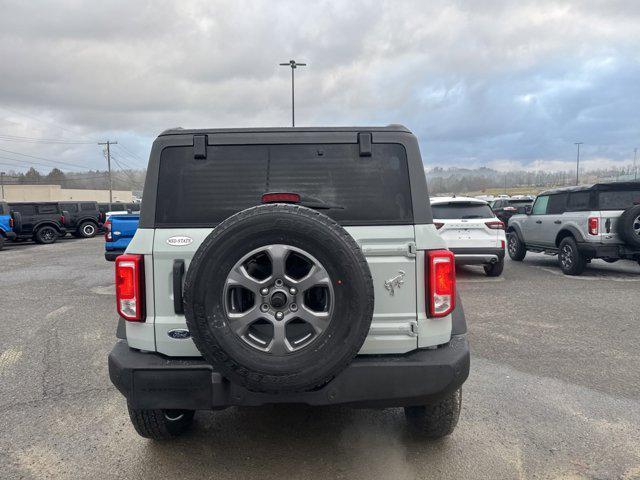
<point x="505" y="208"/>
<point x="44" y="222"/>
<point x="84" y="218"/>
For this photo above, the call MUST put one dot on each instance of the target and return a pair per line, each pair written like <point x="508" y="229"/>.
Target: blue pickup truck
<point x="7" y="224"/>
<point x="118" y="232"/>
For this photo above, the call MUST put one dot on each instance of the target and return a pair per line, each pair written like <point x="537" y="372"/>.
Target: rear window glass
<point x="88" y="206"/>
<point x="579" y="201"/>
<point x="451" y="211"/>
<point x="618" y="200"/>
<point x="69" y="207"/>
<point x="47" y="209"/>
<point x="24" y="209"/>
<point x="364" y="190"/>
<point x="557" y="204"/>
<point x="117" y="207"/>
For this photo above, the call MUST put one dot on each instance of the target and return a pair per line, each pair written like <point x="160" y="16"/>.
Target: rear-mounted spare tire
<point x="279" y="298"/>
<point x="629" y="226"/>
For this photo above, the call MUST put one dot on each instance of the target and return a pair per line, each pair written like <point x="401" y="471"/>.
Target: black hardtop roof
<point x="34" y="203"/>
<point x="594" y="186"/>
<point x="292" y="130"/>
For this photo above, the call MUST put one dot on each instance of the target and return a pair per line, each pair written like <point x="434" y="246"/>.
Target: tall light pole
<point x="108" y="151"/>
<point x="293" y="64"/>
<point x="577" y="144"/>
<point x="2" y="184"/>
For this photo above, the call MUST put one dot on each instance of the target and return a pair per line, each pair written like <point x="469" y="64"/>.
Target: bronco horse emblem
<point x="394" y="282"/>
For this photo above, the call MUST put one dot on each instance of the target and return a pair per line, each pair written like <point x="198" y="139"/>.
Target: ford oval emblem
<point x="179" y="241"/>
<point x="179" y="334"/>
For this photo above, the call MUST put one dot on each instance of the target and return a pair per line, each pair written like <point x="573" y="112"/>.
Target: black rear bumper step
<point x="151" y="380"/>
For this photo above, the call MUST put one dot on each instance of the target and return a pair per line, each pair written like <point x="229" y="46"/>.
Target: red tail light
<point x="496" y="225"/>
<point x="281" y="198"/>
<point x="438" y="225"/>
<point x="593" y="226"/>
<point x="62" y="219"/>
<point x="441" y="282"/>
<point x="107" y="231"/>
<point x="130" y="287"/>
<point x="11" y="222"/>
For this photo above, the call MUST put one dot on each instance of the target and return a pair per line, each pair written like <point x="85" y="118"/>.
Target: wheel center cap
<point x="278" y="300"/>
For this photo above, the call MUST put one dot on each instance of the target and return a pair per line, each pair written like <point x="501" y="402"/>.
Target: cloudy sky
<point x="506" y="84"/>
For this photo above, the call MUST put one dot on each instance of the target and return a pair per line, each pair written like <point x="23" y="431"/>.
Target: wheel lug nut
<point x="279" y="282"/>
<point x="264" y="307"/>
<point x="293" y="290"/>
<point x="264" y="291"/>
<point x="293" y="307"/>
<point x="279" y="315"/>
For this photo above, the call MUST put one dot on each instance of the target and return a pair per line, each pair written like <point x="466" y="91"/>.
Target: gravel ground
<point x="553" y="392"/>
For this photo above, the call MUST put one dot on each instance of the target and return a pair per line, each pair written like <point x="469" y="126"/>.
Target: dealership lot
<point x="553" y="391"/>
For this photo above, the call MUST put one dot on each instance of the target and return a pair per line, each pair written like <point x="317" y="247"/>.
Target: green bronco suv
<point x="287" y="265"/>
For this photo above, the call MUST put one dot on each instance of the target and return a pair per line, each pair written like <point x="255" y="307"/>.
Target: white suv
<point x="472" y="232"/>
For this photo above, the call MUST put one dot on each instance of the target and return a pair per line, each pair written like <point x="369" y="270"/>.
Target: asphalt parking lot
<point x="554" y="390"/>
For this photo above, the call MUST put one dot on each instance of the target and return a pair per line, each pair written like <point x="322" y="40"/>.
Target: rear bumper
<point x="471" y="256"/>
<point x="150" y="380"/>
<point x="110" y="255"/>
<point x="601" y="250"/>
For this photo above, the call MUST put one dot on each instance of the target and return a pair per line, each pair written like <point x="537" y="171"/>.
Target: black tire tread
<point x="494" y="269"/>
<point x="522" y="249"/>
<point x="436" y="420"/>
<point x="154" y="425"/>
<point x="579" y="261"/>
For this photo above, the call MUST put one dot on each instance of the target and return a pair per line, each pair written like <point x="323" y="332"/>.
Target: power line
<point x="21" y="139"/>
<point x="41" y="158"/>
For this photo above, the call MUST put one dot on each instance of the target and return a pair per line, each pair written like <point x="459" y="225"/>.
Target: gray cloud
<point x="478" y="82"/>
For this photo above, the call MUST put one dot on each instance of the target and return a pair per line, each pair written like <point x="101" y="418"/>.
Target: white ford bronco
<point x="287" y="265"/>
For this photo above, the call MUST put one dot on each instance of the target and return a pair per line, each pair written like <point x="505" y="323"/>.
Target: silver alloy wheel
<point x="88" y="229"/>
<point x="278" y="311"/>
<point x="565" y="256"/>
<point x="513" y="244"/>
<point x="636" y="225"/>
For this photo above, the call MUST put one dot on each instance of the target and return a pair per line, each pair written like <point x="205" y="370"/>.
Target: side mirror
<point x="527" y="210"/>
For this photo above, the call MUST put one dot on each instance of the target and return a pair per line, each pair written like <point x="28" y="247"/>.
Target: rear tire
<point x="494" y="269"/>
<point x="438" y="419"/>
<point x="160" y="424"/>
<point x="46" y="235"/>
<point x="87" y="230"/>
<point x="572" y="262"/>
<point x="515" y="247"/>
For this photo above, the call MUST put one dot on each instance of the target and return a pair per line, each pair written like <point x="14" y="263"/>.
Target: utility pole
<point x="2" y="174"/>
<point x="293" y="64"/>
<point x="635" y="159"/>
<point x="108" y="144"/>
<point x="578" y="163"/>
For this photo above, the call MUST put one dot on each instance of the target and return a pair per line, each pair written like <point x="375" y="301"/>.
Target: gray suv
<point x="579" y="224"/>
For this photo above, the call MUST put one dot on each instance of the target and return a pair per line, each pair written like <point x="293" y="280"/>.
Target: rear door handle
<point x="178" y="273"/>
<point x="538" y="221"/>
<point x="557" y="222"/>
